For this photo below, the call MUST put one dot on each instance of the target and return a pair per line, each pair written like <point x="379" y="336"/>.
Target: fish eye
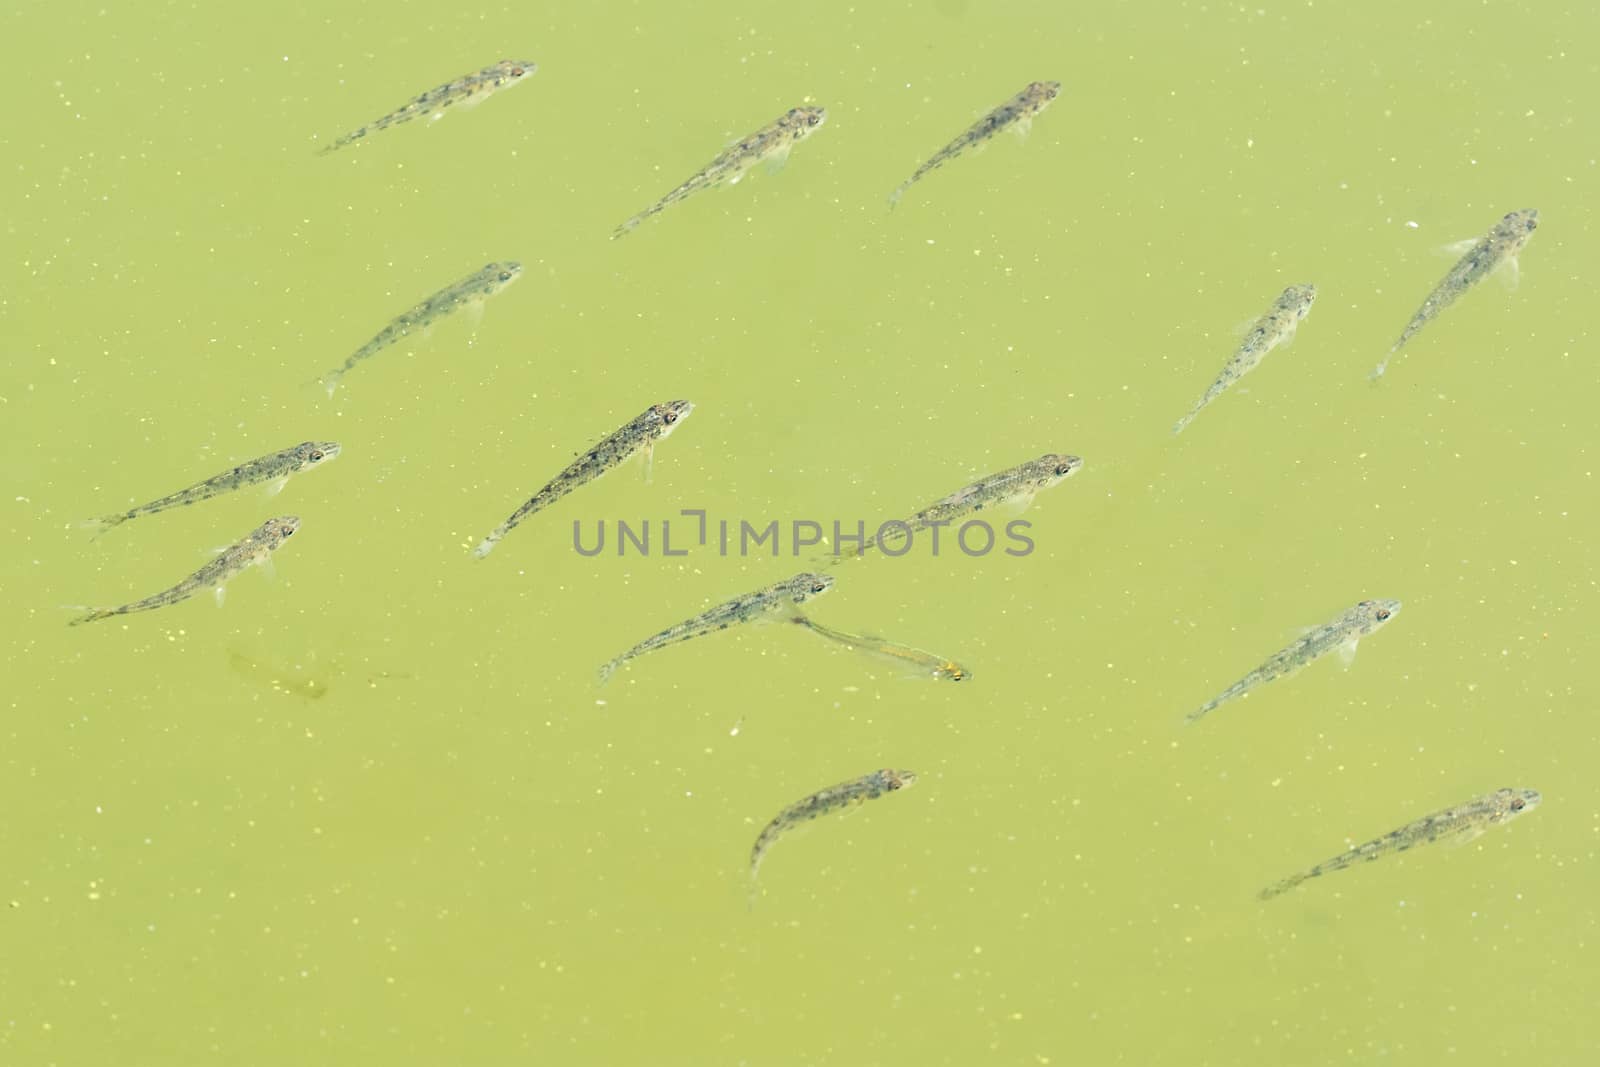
<point x="1383" y="614"/>
<point x="316" y="454"/>
<point x="1517" y="804"/>
<point x="811" y="119"/>
<point x="670" y="417"/>
<point x="516" y="72"/>
<point x="505" y="276"/>
<point x="1063" y="468"/>
<point x="288" y="531"/>
<point x="818" y="587"/>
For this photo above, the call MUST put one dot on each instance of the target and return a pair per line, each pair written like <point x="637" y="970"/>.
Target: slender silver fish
<point x="256" y="547"/>
<point x="275" y="468"/>
<point x="640" y="435"/>
<point x="1499" y="247"/>
<point x="849" y="794"/>
<point x="472" y="290"/>
<point x="466" y="91"/>
<point x="771" y="144"/>
<point x="1342" y="633"/>
<point x="1016" y="486"/>
<point x="778" y="598"/>
<point x="1275" y="328"/>
<point x="1018" y="113"/>
<point x="1462" y="823"/>
<point x="922" y="664"/>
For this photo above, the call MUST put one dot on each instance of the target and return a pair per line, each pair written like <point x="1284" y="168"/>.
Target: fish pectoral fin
<point x="472" y="312"/>
<point x="276" y="485"/>
<point x="1471" y="833"/>
<point x="647" y="462"/>
<point x="1509" y="271"/>
<point x="1015" y="505"/>
<point x="1022" y="127"/>
<point x="268" y="568"/>
<point x="1347" y="651"/>
<point x="1457" y="249"/>
<point x="777" y="161"/>
<point x="221" y="592"/>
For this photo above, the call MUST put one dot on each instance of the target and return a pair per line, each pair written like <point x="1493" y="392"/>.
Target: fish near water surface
<point x="849" y="794"/>
<point x="275" y="467"/>
<point x="1497" y="249"/>
<point x="779" y="598"/>
<point x="253" y="549"/>
<point x="1461" y="823"/>
<point x="921" y="664"/>
<point x="1276" y="327"/>
<point x="464" y="91"/>
<point x="1342" y="634"/>
<point x="639" y="436"/>
<point x="1017" y="113"/>
<point x="470" y="291"/>
<point x="770" y="144"/>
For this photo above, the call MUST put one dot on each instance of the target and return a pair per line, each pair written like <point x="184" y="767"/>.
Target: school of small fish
<point x="1014" y="488"/>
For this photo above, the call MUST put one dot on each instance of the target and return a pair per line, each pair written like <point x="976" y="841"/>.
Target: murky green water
<point x="374" y="810"/>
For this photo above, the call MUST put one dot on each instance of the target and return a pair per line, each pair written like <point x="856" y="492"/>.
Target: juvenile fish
<point x="781" y="597"/>
<point x="923" y="664"/>
<point x="771" y="144"/>
<point x="834" y="798"/>
<point x="1017" y="112"/>
<point x="275" y="468"/>
<point x="1499" y="247"/>
<point x="1463" y="823"/>
<point x="1342" y="633"/>
<point x="466" y="91"/>
<point x="256" y="547"/>
<point x="640" y="435"/>
<point x="472" y="290"/>
<point x="1016" y="486"/>
<point x="1274" y="328"/>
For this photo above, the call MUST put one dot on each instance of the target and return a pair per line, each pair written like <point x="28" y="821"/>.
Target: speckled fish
<point x="465" y="91"/>
<point x="1342" y="634"/>
<point x="849" y="794"/>
<point x="1498" y="248"/>
<point x="275" y="468"/>
<point x="922" y="664"/>
<point x="1015" y="487"/>
<point x="1275" y="328"/>
<point x="1017" y="113"/>
<point x="780" y="598"/>
<point x="770" y="144"/>
<point x="472" y="290"/>
<point x="639" y="436"/>
<point x="1461" y="823"/>
<point x="255" y="548"/>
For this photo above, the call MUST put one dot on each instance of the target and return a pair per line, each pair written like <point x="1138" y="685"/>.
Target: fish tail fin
<point x="103" y="523"/>
<point x="91" y="614"/>
<point x="330" y="381"/>
<point x="603" y="675"/>
<point x="1280" y="887"/>
<point x="1377" y="372"/>
<point x="627" y="227"/>
<point x="1199" y="713"/>
<point x="894" y="197"/>
<point x="486" y="546"/>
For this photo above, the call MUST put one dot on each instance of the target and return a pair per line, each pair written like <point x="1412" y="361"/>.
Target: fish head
<point x="516" y="70"/>
<point x="276" y="531"/>
<point x="1509" y="803"/>
<point x="802" y="122"/>
<point x="1300" y="297"/>
<point x="311" y="453"/>
<point x="1515" y="229"/>
<point x="803" y="587"/>
<point x="1051" y="469"/>
<point x="501" y="275"/>
<point x="951" y="671"/>
<point x="893" y="779"/>
<point x="1044" y="92"/>
<point x="1375" y="613"/>
<point x="671" y="413"/>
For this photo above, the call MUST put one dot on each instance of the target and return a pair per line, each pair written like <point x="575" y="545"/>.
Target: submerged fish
<point x="640" y="435"/>
<point x="466" y="90"/>
<point x="1018" y="112"/>
<point x="256" y="547"/>
<point x="1463" y="823"/>
<point x="844" y="795"/>
<point x="1274" y="328"/>
<point x="471" y="290"/>
<point x="1016" y="486"/>
<point x="923" y="664"/>
<point x="771" y="143"/>
<point x="275" y="468"/>
<point x="1342" y="633"/>
<point x="1499" y="247"/>
<point x="778" y="598"/>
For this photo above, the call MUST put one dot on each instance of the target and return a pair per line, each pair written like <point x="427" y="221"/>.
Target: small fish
<point x="781" y="597"/>
<point x="1463" y="823"/>
<point x="1499" y="247"/>
<point x="467" y="90"/>
<point x="1342" y="633"/>
<point x="474" y="289"/>
<point x="640" y="435"/>
<point x="1017" y="112"/>
<point x="835" y="797"/>
<point x="771" y="144"/>
<point x="275" y="468"/>
<point x="923" y="664"/>
<point x="1274" y="328"/>
<point x="256" y="547"/>
<point x="1016" y="486"/>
